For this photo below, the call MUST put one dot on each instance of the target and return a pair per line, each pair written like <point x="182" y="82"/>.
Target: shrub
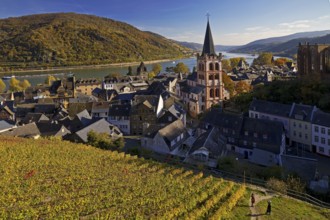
<point x="276" y="185"/>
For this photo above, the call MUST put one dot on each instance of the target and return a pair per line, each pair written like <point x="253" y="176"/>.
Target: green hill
<point x="75" y="39"/>
<point x="51" y="179"/>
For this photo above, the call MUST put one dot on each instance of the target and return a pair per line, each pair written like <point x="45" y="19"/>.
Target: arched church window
<point x="217" y="66"/>
<point x="211" y="93"/>
<point x="211" y="66"/>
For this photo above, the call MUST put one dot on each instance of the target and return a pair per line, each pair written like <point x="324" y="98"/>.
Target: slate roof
<point x="34" y="117"/>
<point x="84" y="117"/>
<point x="172" y="131"/>
<point x="196" y="90"/>
<point x="28" y="130"/>
<point x="192" y="76"/>
<point x="208" y="46"/>
<point x="272" y="108"/>
<point x="52" y="129"/>
<point x="126" y="97"/>
<point x="4" y="125"/>
<point x="119" y="110"/>
<point x="321" y="118"/>
<point x="302" y="112"/>
<point x="216" y="117"/>
<point x="209" y="140"/>
<point x="100" y="126"/>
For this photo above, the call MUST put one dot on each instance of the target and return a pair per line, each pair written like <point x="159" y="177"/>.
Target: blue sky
<point x="233" y="22"/>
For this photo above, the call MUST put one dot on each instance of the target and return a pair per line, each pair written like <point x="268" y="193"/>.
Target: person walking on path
<point x="253" y="200"/>
<point x="269" y="207"/>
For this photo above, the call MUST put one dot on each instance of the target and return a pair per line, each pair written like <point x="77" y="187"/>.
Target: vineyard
<point x="47" y="179"/>
<point x="53" y="179"/>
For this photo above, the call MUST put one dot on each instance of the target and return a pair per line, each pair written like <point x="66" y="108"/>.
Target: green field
<point x="53" y="179"/>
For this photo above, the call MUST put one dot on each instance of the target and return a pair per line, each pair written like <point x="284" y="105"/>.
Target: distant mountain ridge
<point x="286" y="45"/>
<point x="282" y="46"/>
<point x="60" y="39"/>
<point x="199" y="47"/>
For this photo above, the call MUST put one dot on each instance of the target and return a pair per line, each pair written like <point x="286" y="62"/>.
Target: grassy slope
<point x="285" y="208"/>
<point x="55" y="179"/>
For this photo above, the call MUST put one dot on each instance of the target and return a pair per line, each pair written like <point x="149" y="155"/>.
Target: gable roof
<point x="34" y="117"/>
<point x="302" y="112"/>
<point x="209" y="140"/>
<point x="28" y="130"/>
<point x="172" y="131"/>
<point x="52" y="129"/>
<point x="100" y="126"/>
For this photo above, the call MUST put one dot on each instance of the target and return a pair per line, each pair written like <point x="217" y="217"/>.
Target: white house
<point x="321" y="133"/>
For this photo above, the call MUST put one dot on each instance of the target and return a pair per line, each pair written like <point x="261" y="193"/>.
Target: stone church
<point x="203" y="88"/>
<point x="313" y="60"/>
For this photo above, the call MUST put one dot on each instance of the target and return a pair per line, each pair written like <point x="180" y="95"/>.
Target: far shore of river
<point x="65" y="68"/>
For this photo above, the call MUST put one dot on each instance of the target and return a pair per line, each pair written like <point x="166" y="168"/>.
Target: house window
<point x="329" y="132"/>
<point x="306" y="136"/>
<point x="323" y="130"/>
<point x="294" y="133"/>
<point x="316" y="129"/>
<point x="306" y="127"/>
<point x="322" y="140"/>
<point x="316" y="139"/>
<point x="328" y="142"/>
<point x="300" y="134"/>
<point x="294" y="124"/>
<point x="299" y="125"/>
<point x="321" y="149"/>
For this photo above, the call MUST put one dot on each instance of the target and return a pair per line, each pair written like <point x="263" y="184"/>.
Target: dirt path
<point x="258" y="198"/>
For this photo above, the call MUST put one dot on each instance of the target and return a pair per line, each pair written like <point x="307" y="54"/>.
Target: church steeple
<point x="208" y="47"/>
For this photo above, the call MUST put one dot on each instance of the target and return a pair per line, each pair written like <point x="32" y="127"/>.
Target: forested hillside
<point x="61" y="39"/>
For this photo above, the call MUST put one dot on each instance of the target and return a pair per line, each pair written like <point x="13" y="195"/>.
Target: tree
<point x="156" y="68"/>
<point x="281" y="61"/>
<point x="263" y="59"/>
<point x="130" y="71"/>
<point x="14" y="85"/>
<point x="50" y="79"/>
<point x="235" y="61"/>
<point x="229" y="84"/>
<point x="181" y="68"/>
<point x="24" y="84"/>
<point x="2" y="86"/>
<point x="113" y="75"/>
<point x="151" y="75"/>
<point x="226" y="65"/>
<point x="242" y="87"/>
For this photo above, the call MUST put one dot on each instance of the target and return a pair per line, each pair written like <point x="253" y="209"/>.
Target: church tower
<point x="209" y="72"/>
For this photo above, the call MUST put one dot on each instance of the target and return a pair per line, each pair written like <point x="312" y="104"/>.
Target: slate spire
<point x="208" y="47"/>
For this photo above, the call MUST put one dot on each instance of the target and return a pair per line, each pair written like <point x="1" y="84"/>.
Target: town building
<point x="321" y="133"/>
<point x="86" y="86"/>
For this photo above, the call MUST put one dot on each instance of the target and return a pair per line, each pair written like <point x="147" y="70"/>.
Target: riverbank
<point x="69" y="68"/>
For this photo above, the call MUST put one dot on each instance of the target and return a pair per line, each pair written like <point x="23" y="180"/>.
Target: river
<point x="99" y="73"/>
